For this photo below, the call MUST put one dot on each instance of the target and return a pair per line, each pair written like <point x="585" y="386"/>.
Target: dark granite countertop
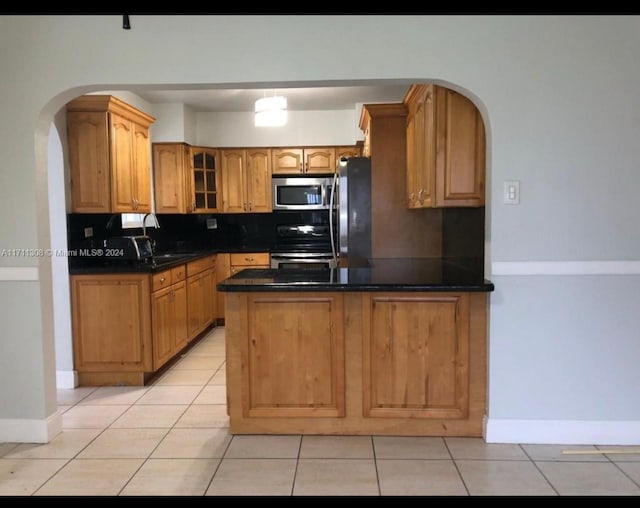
<point x="159" y="262"/>
<point x="405" y="274"/>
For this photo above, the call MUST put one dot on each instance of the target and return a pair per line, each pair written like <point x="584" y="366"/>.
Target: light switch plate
<point x="511" y="193"/>
<point x="212" y="223"/>
<point x="88" y="232"/>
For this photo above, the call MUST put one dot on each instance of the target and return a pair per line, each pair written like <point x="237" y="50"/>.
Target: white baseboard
<point x="573" y="432"/>
<point x="30" y="431"/>
<point x="66" y="379"/>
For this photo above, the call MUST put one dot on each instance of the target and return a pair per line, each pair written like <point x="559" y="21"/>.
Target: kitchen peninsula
<point x="386" y="346"/>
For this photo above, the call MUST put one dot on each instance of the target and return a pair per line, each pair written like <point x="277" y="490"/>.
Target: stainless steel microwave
<point x="306" y="193"/>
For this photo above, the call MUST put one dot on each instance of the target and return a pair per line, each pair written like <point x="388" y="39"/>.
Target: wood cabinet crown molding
<point x="380" y="110"/>
<point x="112" y="104"/>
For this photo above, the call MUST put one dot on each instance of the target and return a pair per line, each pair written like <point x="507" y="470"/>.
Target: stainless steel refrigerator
<point x="350" y="222"/>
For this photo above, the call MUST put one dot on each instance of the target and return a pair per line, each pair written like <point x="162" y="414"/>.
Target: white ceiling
<point x="298" y="99"/>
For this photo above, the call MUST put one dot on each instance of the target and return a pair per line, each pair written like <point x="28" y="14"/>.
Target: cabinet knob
<point x="421" y="196"/>
<point x="249" y="206"/>
<point x="248" y="259"/>
<point x="301" y="169"/>
<point x="306" y="167"/>
<point x="162" y="279"/>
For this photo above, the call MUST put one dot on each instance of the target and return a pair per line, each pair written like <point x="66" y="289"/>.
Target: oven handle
<point x="301" y="255"/>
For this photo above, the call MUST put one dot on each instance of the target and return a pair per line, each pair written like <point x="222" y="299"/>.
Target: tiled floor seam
<point x="48" y="479"/>
<point x="295" y="471"/>
<point x="616" y="464"/>
<point x="217" y="467"/>
<point x="375" y="463"/>
<point x="455" y="464"/>
<point x="540" y="470"/>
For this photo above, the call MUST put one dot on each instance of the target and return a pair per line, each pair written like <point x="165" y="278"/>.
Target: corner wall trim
<point x="565" y="268"/>
<point x="66" y="379"/>
<point x="30" y="430"/>
<point x="572" y="432"/>
<point x="18" y="273"/>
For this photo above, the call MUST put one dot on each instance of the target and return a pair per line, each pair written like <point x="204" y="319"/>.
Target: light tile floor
<point x="172" y="438"/>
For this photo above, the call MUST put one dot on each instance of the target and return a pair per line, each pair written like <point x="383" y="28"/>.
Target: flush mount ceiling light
<point x="271" y="112"/>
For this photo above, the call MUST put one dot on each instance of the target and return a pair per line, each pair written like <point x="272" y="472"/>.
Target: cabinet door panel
<point x="416" y="357"/>
<point x="180" y="323"/>
<point x="258" y="179"/>
<point x="169" y="177"/>
<point x="162" y="317"/>
<point x="111" y="319"/>
<point x="89" y="162"/>
<point x="461" y="179"/>
<point x="287" y="160"/>
<point x="233" y="184"/>
<point x="122" y="180"/>
<point x="195" y="305"/>
<point x="142" y="168"/>
<point x="320" y="160"/>
<point x="294" y="359"/>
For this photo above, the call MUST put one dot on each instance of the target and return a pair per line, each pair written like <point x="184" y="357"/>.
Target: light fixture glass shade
<point x="271" y="112"/>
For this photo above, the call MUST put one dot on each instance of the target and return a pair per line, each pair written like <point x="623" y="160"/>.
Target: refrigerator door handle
<point x="331" y="226"/>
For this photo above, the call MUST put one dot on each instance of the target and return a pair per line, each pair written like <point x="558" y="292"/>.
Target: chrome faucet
<point x="144" y="222"/>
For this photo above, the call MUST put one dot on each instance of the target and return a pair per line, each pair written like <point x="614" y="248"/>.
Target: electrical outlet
<point x="88" y="232"/>
<point x="212" y="223"/>
<point x="511" y="192"/>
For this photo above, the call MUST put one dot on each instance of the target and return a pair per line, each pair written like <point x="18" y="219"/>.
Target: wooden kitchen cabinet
<point x="294" y="359"/>
<point x="416" y="356"/>
<point x="303" y="160"/>
<point x="111" y="319"/>
<point x="445" y="149"/>
<point x="347" y="151"/>
<point x="229" y="264"/>
<point x="246" y="180"/>
<point x="201" y="295"/>
<point x="109" y="155"/>
<point x="204" y="183"/>
<point x="170" y="177"/>
<point x="169" y="319"/>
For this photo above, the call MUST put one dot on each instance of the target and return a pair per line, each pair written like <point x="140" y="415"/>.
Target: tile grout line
<point x="625" y="473"/>
<point x="375" y="464"/>
<point x="455" y="464"/>
<point x="48" y="479"/>
<point x="215" y="471"/>
<point x="295" y="471"/>
<point x="540" y="470"/>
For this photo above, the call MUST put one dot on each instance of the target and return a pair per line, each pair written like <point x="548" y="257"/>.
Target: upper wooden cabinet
<point x="170" y="173"/>
<point x="246" y="180"/>
<point x="445" y="149"/>
<point x="109" y="155"/>
<point x="204" y="184"/>
<point x="315" y="159"/>
<point x="347" y="151"/>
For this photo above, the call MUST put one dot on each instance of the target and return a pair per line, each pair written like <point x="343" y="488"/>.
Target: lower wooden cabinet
<point x="230" y="264"/>
<point x="169" y="318"/>
<point x="416" y="356"/>
<point x="370" y="363"/>
<point x="127" y="326"/>
<point x="201" y="294"/>
<point x="111" y="320"/>
<point x="294" y="356"/>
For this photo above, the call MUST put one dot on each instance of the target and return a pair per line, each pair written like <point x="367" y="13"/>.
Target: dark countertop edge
<point x="486" y="287"/>
<point x="150" y="268"/>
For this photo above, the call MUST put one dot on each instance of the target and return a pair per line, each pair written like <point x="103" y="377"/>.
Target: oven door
<point x="302" y="261"/>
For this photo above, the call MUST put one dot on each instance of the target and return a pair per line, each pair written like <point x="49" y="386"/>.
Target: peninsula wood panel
<point x="293" y="359"/>
<point x="415" y="356"/>
<point x="354" y="422"/>
<point x="111" y="320"/>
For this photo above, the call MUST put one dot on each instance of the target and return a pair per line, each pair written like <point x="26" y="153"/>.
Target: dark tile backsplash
<point x="189" y="231"/>
<point x="463" y="233"/>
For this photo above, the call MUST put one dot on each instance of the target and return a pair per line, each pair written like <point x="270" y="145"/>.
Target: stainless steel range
<point x="302" y="246"/>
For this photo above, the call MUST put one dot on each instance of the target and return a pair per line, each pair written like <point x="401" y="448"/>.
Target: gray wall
<point x="559" y="95"/>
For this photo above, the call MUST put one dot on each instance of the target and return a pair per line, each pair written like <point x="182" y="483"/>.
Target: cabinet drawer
<point x="161" y="280"/>
<point x="178" y="273"/>
<point x="250" y="259"/>
<point x="199" y="265"/>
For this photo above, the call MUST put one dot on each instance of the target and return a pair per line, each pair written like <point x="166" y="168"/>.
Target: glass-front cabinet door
<point x="205" y="180"/>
